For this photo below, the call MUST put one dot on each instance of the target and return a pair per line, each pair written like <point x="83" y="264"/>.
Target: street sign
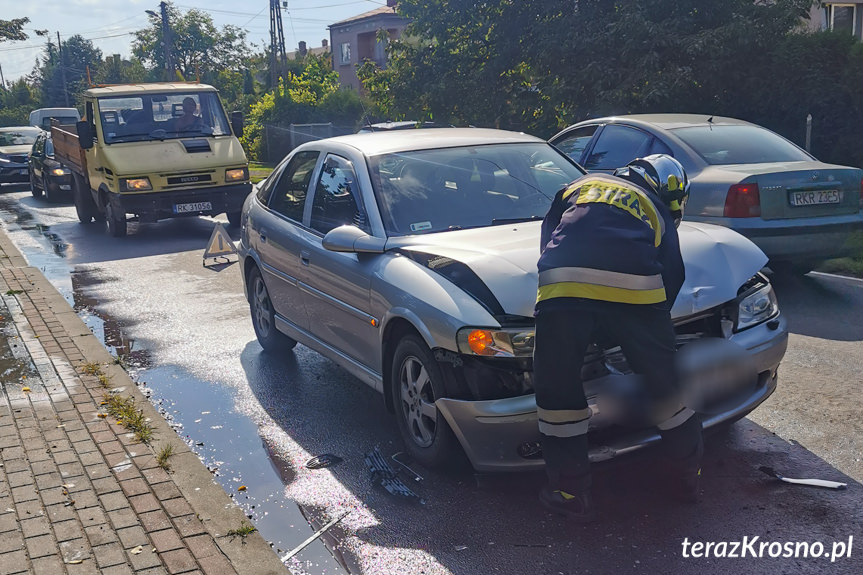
<point x="220" y="244"/>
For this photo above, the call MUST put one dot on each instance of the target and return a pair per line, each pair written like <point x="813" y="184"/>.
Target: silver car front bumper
<point x="492" y="433"/>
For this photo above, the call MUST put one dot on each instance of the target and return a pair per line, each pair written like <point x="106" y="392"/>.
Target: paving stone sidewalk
<point x="78" y="494"/>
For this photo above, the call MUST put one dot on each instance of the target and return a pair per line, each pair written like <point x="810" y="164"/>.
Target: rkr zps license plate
<point x="814" y="198"/>
<point x="193" y="207"/>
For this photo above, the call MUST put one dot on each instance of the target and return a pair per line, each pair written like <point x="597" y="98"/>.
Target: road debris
<point x="395" y="457"/>
<point x="314" y="536"/>
<point x="323" y="460"/>
<point x="387" y="477"/>
<point x="812" y="482"/>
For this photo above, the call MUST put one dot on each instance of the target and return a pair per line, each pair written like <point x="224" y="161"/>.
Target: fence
<point x="279" y="141"/>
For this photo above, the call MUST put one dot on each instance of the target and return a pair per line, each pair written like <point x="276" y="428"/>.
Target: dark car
<point x="15" y="143"/>
<point x="47" y="175"/>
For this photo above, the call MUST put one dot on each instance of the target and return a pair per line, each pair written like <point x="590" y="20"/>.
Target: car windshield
<point x="18" y="136"/>
<point x="162" y="116"/>
<point x="740" y="144"/>
<point x="62" y="120"/>
<point x="428" y="191"/>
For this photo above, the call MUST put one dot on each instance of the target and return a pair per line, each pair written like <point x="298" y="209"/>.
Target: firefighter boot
<point x="688" y="471"/>
<point x="569" y="496"/>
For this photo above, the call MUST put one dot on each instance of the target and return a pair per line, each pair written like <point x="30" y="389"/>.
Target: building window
<point x="841" y="17"/>
<point x="345" y="51"/>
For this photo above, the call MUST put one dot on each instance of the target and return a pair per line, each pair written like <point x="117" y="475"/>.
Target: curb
<point x="251" y="555"/>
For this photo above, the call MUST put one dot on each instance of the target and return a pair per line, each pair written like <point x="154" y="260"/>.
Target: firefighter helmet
<point x="663" y="175"/>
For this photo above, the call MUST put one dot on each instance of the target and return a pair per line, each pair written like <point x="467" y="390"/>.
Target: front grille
<point x="18" y="159"/>
<point x="190" y="179"/>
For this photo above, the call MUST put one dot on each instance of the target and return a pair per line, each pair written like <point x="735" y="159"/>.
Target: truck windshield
<point x="162" y="116"/>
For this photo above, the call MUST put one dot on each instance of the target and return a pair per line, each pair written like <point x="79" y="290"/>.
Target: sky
<point x="109" y="23"/>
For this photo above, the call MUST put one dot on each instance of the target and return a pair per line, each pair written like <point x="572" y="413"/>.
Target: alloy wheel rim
<point x="417" y="401"/>
<point x="262" y="307"/>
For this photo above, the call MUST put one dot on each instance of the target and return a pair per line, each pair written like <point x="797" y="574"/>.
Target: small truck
<point x="154" y="151"/>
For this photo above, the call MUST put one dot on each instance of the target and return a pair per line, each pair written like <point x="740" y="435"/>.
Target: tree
<point x="69" y="65"/>
<point x="197" y="46"/>
<point x="537" y="66"/>
<point x="13" y="30"/>
<point x="116" y="70"/>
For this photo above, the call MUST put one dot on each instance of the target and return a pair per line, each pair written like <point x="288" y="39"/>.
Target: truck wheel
<point x="234" y="218"/>
<point x="417" y="384"/>
<point x="34" y="188"/>
<point x="264" y="316"/>
<point x="85" y="207"/>
<point x="116" y="220"/>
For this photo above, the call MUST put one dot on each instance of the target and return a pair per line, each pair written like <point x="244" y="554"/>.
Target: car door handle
<point x="263" y="235"/>
<point x="304" y="257"/>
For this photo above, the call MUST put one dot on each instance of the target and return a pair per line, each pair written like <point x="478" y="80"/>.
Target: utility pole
<point x="166" y="39"/>
<point x="2" y="79"/>
<point x="62" y="70"/>
<point x="278" y="57"/>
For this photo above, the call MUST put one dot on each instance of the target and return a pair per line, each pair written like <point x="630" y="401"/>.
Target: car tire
<point x="264" y="316"/>
<point x="49" y="197"/>
<point x="115" y="220"/>
<point x="34" y="189"/>
<point x="234" y="218"/>
<point x="417" y="382"/>
<point x="85" y="207"/>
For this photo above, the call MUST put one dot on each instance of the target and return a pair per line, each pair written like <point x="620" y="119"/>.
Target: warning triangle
<point x="220" y="243"/>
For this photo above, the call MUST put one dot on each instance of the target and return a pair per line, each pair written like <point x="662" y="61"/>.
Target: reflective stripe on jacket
<point x="605" y="239"/>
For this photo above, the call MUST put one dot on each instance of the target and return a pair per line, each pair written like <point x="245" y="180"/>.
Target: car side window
<point x="657" y="146"/>
<point x="289" y="192"/>
<point x="337" y="197"/>
<point x="37" y="145"/>
<point x="617" y="146"/>
<point x="574" y="143"/>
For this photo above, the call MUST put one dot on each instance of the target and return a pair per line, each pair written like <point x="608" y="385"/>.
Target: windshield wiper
<point x="505" y="221"/>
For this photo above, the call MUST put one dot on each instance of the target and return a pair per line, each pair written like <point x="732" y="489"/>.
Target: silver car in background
<point x="409" y="259"/>
<point x="798" y="210"/>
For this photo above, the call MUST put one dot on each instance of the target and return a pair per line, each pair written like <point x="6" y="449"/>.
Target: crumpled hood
<point x="718" y="261"/>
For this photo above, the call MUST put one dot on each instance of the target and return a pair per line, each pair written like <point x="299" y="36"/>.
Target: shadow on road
<point x="817" y="305"/>
<point x="470" y="526"/>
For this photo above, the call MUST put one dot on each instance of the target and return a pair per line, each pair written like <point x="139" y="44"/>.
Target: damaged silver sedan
<point x="409" y="259"/>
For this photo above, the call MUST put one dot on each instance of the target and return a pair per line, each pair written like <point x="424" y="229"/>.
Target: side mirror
<point x="352" y="239"/>
<point x="85" y="134"/>
<point x="237" y="123"/>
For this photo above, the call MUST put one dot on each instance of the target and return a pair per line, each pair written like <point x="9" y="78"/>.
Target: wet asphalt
<point x="255" y="419"/>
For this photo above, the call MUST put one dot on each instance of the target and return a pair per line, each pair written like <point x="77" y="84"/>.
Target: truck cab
<point x="156" y="151"/>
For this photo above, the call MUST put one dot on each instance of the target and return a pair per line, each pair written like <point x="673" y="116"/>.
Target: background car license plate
<point x="22" y="172"/>
<point x="813" y="198"/>
<point x="193" y="207"/>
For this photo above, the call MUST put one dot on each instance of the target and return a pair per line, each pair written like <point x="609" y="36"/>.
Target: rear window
<point x="720" y="145"/>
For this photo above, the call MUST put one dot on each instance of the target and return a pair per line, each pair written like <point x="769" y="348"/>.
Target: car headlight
<point x="136" y="184"/>
<point x="757" y="307"/>
<point x="237" y="175"/>
<point x="60" y="171"/>
<point x="496" y="342"/>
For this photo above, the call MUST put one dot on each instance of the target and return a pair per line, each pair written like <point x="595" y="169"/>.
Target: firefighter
<point x="610" y="266"/>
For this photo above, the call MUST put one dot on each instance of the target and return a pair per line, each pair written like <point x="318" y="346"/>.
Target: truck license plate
<point x="815" y="198"/>
<point x="193" y="207"/>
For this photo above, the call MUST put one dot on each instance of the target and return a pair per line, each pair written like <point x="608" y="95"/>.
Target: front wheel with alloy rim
<point x="417" y="383"/>
<point x="49" y="197"/>
<point x="34" y="188"/>
<point x="264" y="316"/>
<point x="116" y="220"/>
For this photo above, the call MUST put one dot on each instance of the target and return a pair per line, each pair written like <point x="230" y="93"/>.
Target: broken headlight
<point x="756" y="306"/>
